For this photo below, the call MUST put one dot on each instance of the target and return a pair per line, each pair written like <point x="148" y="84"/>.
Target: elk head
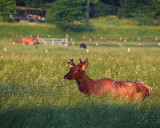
<point x="76" y="71"/>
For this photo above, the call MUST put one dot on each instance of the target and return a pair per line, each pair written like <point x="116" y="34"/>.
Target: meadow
<point x="108" y="26"/>
<point x="33" y="92"/>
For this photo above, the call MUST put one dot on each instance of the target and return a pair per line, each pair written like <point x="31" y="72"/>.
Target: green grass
<point x="34" y="94"/>
<point x="108" y="26"/>
<point x="13" y="29"/>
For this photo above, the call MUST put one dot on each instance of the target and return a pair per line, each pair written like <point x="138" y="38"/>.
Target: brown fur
<point x="130" y="89"/>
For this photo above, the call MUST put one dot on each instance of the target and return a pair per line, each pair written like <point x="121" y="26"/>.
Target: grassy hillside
<point x="109" y="26"/>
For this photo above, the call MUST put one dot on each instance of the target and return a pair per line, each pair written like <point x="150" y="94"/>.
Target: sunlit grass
<point x="34" y="94"/>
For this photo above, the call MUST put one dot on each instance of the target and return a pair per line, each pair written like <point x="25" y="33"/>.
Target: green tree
<point x="7" y="7"/>
<point x="68" y="14"/>
<point x="100" y="9"/>
<point x="126" y="7"/>
<point x="146" y="12"/>
<point x="149" y="8"/>
<point x="36" y="3"/>
<point x="90" y="10"/>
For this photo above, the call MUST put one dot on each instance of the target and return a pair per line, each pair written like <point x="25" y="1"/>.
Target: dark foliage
<point x="64" y="12"/>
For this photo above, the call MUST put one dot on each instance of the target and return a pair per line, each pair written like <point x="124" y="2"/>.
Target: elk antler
<point x="86" y="60"/>
<point x="83" y="61"/>
<point x="71" y="63"/>
<point x="80" y="61"/>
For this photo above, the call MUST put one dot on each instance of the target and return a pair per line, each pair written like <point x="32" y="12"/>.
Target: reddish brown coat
<point x="130" y="89"/>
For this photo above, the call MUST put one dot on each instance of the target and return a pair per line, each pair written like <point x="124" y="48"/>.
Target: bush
<point x="144" y="20"/>
<point x="81" y="27"/>
<point x="144" y="15"/>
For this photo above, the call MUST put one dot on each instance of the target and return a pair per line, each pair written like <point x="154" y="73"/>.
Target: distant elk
<point x="83" y="45"/>
<point x="30" y="41"/>
<point x="133" y="90"/>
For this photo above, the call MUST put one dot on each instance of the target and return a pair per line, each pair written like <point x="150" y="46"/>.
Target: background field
<point x="34" y="94"/>
<point x="102" y="27"/>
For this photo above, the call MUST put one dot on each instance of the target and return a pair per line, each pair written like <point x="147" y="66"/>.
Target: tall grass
<point x="34" y="94"/>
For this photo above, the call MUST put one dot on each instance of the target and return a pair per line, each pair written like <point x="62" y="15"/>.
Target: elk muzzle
<point x="70" y="76"/>
<point x="66" y="77"/>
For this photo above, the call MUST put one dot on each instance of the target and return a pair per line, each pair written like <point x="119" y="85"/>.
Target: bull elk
<point x="130" y="89"/>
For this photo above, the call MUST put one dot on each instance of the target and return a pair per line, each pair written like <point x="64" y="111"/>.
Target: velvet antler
<point x="83" y="64"/>
<point x="80" y="61"/>
<point x="71" y="63"/>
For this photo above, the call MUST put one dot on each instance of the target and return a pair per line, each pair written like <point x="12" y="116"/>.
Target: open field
<point x="34" y="94"/>
<point x="102" y="27"/>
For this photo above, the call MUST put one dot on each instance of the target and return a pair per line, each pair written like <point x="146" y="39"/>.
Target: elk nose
<point x="65" y="77"/>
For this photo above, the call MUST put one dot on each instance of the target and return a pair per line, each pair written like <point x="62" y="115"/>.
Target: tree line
<point x="75" y="14"/>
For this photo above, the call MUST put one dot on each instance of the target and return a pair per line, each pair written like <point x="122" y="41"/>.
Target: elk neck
<point x="85" y="84"/>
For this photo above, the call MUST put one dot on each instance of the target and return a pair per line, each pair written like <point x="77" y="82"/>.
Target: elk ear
<point x="85" y="64"/>
<point x="71" y="65"/>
